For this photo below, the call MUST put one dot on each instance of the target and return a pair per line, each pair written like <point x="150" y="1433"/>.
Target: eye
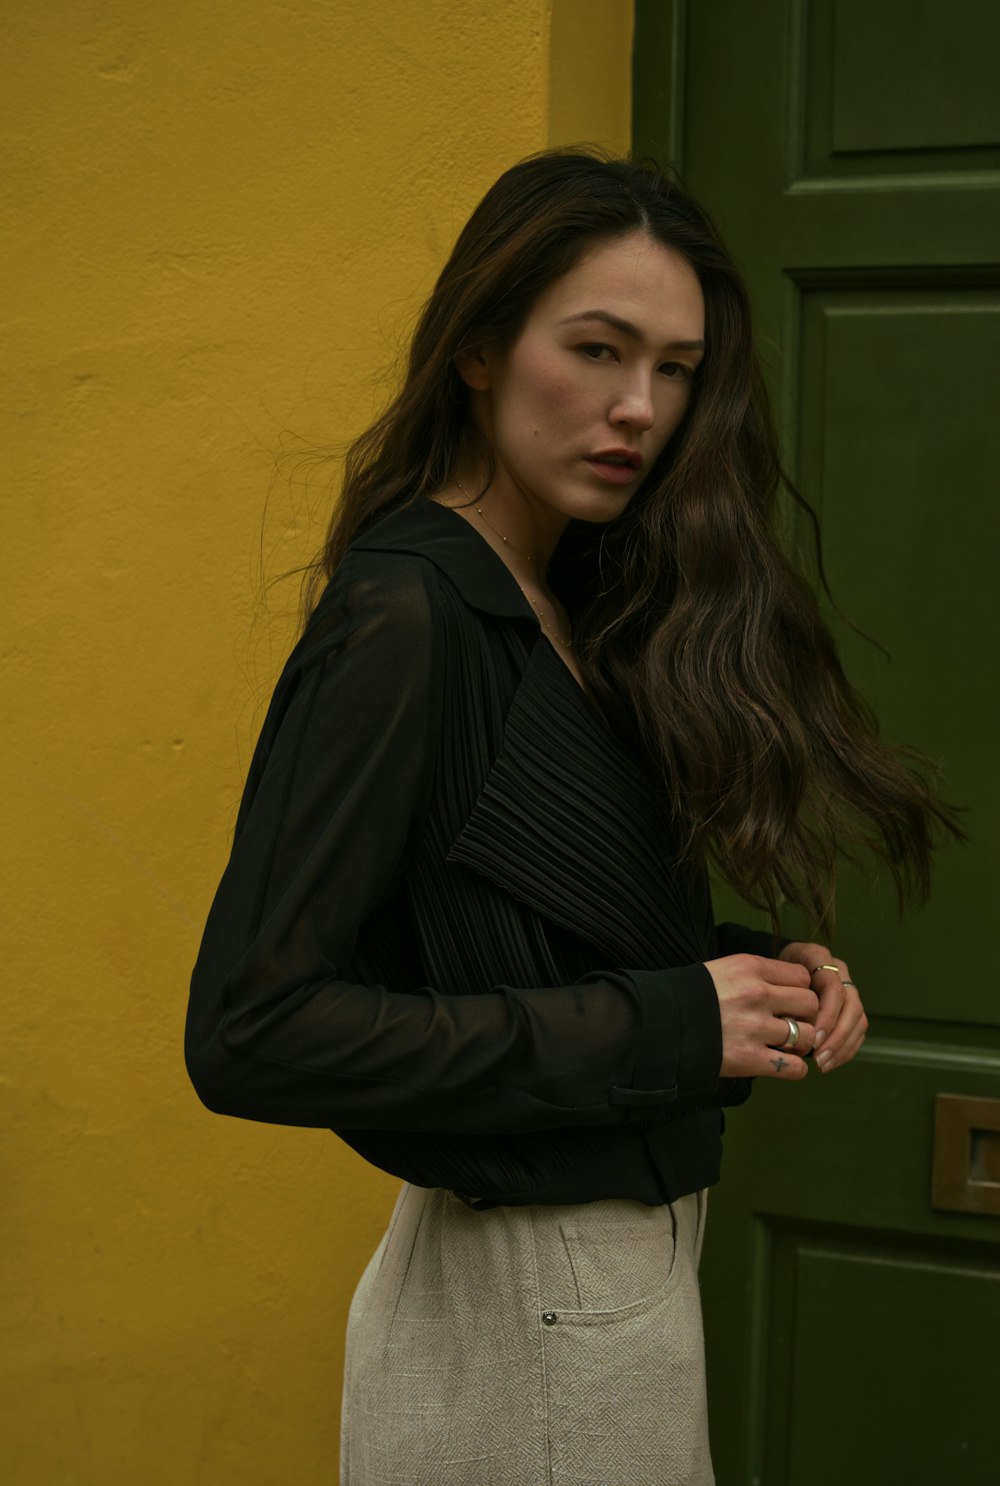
<point x="677" y="371"/>
<point x="595" y="351"/>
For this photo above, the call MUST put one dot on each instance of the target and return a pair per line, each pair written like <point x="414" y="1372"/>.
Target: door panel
<point x="850" y="154"/>
<point x="903" y="78"/>
<point x="844" y="1291"/>
<point x="898" y="412"/>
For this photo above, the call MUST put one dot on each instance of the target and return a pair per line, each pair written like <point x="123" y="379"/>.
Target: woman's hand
<point x="755" y="997"/>
<point x="841" y="1023"/>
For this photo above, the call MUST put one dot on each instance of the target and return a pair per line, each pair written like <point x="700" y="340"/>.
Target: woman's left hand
<point x="841" y="1023"/>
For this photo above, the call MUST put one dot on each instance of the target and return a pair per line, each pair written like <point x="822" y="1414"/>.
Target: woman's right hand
<point x="755" y="996"/>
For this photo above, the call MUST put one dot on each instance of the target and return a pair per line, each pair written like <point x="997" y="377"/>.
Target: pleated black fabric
<point x="451" y="927"/>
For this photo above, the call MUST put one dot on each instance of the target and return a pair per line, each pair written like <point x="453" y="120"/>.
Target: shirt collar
<point x="457" y="550"/>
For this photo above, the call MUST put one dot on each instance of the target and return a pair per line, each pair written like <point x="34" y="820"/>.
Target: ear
<point x="473" y="368"/>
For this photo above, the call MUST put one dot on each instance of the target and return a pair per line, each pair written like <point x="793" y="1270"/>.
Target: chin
<point x="600" y="507"/>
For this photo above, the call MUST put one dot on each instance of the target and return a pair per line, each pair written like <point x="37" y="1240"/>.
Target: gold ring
<point x="834" y="968"/>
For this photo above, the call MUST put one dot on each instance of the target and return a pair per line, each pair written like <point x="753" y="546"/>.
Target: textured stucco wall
<point x="217" y="222"/>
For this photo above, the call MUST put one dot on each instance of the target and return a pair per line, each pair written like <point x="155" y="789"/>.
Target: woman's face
<point x="580" y="406"/>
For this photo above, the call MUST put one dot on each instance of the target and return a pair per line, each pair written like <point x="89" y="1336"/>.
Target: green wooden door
<point x="849" y="150"/>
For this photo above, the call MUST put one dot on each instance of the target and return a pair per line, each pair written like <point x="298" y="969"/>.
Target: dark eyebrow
<point x="627" y="328"/>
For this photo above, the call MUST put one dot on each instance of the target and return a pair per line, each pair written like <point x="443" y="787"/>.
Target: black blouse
<point x="451" y="928"/>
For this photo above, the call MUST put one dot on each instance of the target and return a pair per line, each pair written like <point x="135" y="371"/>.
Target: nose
<point x="633" y="407"/>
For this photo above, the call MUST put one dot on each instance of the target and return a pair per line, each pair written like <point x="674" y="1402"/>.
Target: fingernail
<point x="819" y="1037"/>
<point x="824" y="1060"/>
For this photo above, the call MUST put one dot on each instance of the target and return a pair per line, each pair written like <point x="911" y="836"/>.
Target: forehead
<point x="636" y="278"/>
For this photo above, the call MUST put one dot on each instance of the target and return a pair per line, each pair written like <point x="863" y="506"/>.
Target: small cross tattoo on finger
<point x="779" y="1063"/>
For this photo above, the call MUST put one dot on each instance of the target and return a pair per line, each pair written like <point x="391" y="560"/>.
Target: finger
<point x="853" y="1046"/>
<point x="784" y="972"/>
<point x="831" y="1004"/>
<point x="781" y="1035"/>
<point x="828" y="981"/>
<point x="840" y="1012"/>
<point x="849" y="1050"/>
<point x="793" y="1001"/>
<point x="781" y="1064"/>
<point x="846" y="1036"/>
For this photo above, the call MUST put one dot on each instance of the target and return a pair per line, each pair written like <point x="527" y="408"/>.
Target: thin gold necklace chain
<point x="480" y="511"/>
<point x="566" y="644"/>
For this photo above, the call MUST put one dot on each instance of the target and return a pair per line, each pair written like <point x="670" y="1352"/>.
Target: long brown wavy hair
<point x="689" y="619"/>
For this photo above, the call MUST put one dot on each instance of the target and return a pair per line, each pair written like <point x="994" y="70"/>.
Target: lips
<point x="616" y="466"/>
<point x="630" y="457"/>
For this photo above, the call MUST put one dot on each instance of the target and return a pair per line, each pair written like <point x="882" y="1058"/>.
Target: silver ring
<point x="793" y="1031"/>
<point x="849" y="983"/>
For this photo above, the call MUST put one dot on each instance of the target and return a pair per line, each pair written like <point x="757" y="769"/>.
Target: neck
<point x="526" y="563"/>
<point x="524" y="533"/>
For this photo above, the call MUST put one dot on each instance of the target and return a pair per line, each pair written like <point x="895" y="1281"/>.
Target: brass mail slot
<point x="966" y="1171"/>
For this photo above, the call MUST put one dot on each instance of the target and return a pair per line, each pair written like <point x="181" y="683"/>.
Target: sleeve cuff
<point x="680" y="1051"/>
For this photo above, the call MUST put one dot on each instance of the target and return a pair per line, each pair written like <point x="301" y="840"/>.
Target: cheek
<point x="553" y="400"/>
<point x="672" y="414"/>
<point x="542" y="405"/>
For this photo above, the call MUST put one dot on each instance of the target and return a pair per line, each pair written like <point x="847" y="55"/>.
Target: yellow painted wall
<point x="217" y="222"/>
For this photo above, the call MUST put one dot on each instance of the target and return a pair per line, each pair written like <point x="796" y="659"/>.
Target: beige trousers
<point x="528" y="1346"/>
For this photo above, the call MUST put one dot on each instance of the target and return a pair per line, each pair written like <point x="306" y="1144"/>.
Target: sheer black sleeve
<point x="336" y="792"/>
<point x="737" y="939"/>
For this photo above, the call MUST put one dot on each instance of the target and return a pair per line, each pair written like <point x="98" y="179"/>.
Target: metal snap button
<point x="549" y="1318"/>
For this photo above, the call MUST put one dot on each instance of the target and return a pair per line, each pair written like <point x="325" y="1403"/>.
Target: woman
<point x="559" y="664"/>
